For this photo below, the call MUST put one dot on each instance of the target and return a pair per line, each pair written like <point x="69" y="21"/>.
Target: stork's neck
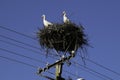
<point x="43" y="17"/>
<point x="64" y="15"/>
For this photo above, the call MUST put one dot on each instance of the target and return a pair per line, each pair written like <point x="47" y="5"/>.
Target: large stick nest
<point x="63" y="37"/>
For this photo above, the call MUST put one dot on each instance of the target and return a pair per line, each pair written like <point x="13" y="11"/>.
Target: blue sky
<point x="99" y="17"/>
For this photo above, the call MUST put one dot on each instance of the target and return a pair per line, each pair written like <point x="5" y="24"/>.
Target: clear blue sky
<point x="101" y="19"/>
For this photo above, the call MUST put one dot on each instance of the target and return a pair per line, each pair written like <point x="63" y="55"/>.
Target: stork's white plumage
<point x="45" y="22"/>
<point x="80" y="79"/>
<point x="65" y="19"/>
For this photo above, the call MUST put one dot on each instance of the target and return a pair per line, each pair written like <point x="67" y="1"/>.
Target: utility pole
<point x="58" y="65"/>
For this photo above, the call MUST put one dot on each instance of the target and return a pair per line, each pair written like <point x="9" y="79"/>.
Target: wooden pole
<point x="54" y="64"/>
<point x="59" y="65"/>
<point x="59" y="71"/>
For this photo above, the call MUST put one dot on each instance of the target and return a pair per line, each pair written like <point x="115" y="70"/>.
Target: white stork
<point x="65" y="19"/>
<point x="45" y="22"/>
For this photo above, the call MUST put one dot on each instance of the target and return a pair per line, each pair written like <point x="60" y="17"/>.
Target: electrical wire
<point x="30" y="65"/>
<point x="29" y="45"/>
<point x="22" y="34"/>
<point x="39" y="48"/>
<point x="30" y="58"/>
<point x="20" y="42"/>
<point x="103" y="67"/>
<point x="21" y="55"/>
<point x="14" y="31"/>
<point x="11" y="52"/>
<point x="71" y="73"/>
<point x="47" y="77"/>
<point x="93" y="71"/>
<point x="7" y="42"/>
<point x="14" y="60"/>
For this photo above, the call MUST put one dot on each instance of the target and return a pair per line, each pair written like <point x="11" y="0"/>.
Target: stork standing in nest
<point x="65" y="19"/>
<point x="45" y="22"/>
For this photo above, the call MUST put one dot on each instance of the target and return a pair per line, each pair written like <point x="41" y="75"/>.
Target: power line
<point x="30" y="58"/>
<point x="88" y="71"/>
<point x="22" y="34"/>
<point x="21" y="55"/>
<point x="19" y="42"/>
<point x="25" y="56"/>
<point x="39" y="48"/>
<point x="47" y="77"/>
<point x="11" y="30"/>
<point x="14" y="60"/>
<point x="32" y="46"/>
<point x="71" y="73"/>
<point x="7" y="42"/>
<point x="30" y="65"/>
<point x="93" y="71"/>
<point x="103" y="67"/>
<point x="14" y="31"/>
<point x="43" y="62"/>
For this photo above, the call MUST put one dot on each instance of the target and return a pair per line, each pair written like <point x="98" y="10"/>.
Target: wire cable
<point x="29" y="58"/>
<point x="26" y="56"/>
<point x="20" y="42"/>
<point x="44" y="62"/>
<point x="7" y="42"/>
<point x="71" y="74"/>
<point x="32" y="58"/>
<point x="11" y="30"/>
<point x="30" y="65"/>
<point x="29" y="45"/>
<point x="14" y="60"/>
<point x="5" y="28"/>
<point x="47" y="77"/>
<point x="11" y="52"/>
<point x="103" y="67"/>
<point x="88" y="71"/>
<point x="14" y="31"/>
<point x="93" y="71"/>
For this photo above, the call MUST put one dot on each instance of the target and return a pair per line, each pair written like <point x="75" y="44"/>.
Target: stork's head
<point x="64" y="13"/>
<point x="43" y="16"/>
